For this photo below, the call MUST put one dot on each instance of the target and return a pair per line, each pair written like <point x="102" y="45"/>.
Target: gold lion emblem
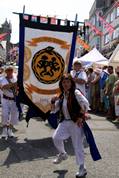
<point x="48" y="65"/>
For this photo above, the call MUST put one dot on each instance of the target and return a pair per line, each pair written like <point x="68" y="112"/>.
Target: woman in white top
<point x="71" y="105"/>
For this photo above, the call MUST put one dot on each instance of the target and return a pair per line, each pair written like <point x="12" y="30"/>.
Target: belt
<point x="67" y="120"/>
<point x="7" y="97"/>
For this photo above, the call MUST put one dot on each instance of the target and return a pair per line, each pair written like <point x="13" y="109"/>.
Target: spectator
<point x="1" y="78"/>
<point x="91" y="76"/>
<point x="9" y="108"/>
<point x="103" y="77"/>
<point x="96" y="91"/>
<point x="116" y="101"/>
<point x="79" y="76"/>
<point x="109" y="92"/>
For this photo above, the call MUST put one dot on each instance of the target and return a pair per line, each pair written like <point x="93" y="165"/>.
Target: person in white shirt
<point x="71" y="105"/>
<point x="79" y="76"/>
<point x="1" y="78"/>
<point x="9" y="108"/>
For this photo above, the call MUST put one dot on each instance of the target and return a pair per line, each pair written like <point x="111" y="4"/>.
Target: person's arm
<point x="8" y="86"/>
<point x="79" y="81"/>
<point x="95" y="79"/>
<point x="79" y="122"/>
<point x="110" y="83"/>
<point x="55" y="104"/>
<point x="116" y="89"/>
<point x="82" y="79"/>
<point x="83" y="102"/>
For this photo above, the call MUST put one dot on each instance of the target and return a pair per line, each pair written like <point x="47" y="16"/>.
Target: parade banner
<point x="46" y="51"/>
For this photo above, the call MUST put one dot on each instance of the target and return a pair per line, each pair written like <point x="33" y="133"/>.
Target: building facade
<point x="103" y="13"/>
<point x="6" y="28"/>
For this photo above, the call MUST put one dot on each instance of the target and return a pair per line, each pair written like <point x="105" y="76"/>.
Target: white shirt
<point x="81" y="75"/>
<point x="65" y="109"/>
<point x="83" y="102"/>
<point x="1" y="77"/>
<point x="8" y="92"/>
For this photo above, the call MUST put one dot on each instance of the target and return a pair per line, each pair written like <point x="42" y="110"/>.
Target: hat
<point x="8" y="68"/>
<point x="77" y="62"/>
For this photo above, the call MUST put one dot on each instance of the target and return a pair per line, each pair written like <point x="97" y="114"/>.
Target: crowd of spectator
<point x="101" y="87"/>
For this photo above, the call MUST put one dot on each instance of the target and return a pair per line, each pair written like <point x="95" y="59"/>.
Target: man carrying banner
<point x="9" y="108"/>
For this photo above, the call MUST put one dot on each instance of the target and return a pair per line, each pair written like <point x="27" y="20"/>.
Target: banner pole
<point x="23" y="10"/>
<point x="43" y="16"/>
<point x="76" y="18"/>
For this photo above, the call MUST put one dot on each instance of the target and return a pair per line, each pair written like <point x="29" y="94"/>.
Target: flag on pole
<point x="46" y="51"/>
<point x="83" y="43"/>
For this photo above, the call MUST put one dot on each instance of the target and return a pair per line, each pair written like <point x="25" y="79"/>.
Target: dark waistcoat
<point x="74" y="110"/>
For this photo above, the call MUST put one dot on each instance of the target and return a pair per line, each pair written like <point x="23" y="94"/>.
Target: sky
<point x="61" y="8"/>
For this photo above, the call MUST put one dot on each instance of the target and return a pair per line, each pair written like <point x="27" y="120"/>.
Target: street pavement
<point x="30" y="153"/>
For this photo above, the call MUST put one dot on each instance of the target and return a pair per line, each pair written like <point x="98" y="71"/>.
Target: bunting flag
<point x="46" y="51"/>
<point x="83" y="43"/>
<point x="106" y="25"/>
<point x="94" y="28"/>
<point x="3" y="36"/>
<point x="117" y="4"/>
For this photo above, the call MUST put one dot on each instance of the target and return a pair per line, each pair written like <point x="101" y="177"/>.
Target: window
<point x="112" y="17"/>
<point x="98" y="22"/>
<point x="93" y="20"/>
<point x="98" y="43"/>
<point x="116" y="33"/>
<point x="108" y="18"/>
<point x="117" y="13"/>
<point x="106" y="38"/>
